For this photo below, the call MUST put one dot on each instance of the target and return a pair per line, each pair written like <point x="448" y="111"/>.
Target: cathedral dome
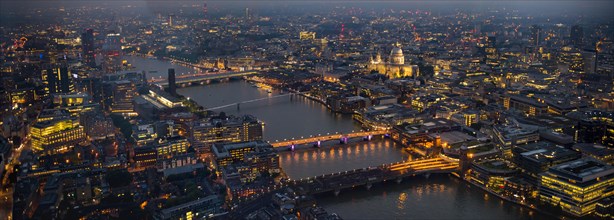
<point x="396" y="56"/>
<point x="396" y="51"/>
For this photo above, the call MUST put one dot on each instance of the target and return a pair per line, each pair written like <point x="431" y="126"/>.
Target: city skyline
<point x="209" y="109"/>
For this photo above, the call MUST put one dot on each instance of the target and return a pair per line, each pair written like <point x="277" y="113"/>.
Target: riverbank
<point x="504" y="198"/>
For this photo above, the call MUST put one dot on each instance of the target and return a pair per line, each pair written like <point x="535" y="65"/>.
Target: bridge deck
<point x="368" y="176"/>
<point x="327" y="137"/>
<point x="202" y="77"/>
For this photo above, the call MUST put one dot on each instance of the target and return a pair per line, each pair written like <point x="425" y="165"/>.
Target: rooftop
<point x="584" y="171"/>
<point x="429" y="125"/>
<point x="222" y="149"/>
<point x="543" y="152"/>
<point x="514" y="130"/>
<point x="594" y="149"/>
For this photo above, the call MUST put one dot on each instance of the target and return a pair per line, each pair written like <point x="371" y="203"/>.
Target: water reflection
<point x="401" y="201"/>
<point x="301" y="164"/>
<point x="420" y="198"/>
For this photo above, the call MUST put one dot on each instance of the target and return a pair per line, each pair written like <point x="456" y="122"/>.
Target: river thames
<point x="420" y="197"/>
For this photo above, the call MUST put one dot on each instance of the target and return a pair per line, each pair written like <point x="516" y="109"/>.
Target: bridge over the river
<point x="366" y="177"/>
<point x="238" y="104"/>
<point x="336" y="182"/>
<point x="327" y="137"/>
<point x="201" y="77"/>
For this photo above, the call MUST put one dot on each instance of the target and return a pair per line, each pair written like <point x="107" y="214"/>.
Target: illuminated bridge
<point x="238" y="104"/>
<point x="317" y="140"/>
<point x="200" y="78"/>
<point x="335" y="182"/>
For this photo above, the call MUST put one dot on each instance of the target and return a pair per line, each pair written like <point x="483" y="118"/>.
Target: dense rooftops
<point x="583" y="171"/>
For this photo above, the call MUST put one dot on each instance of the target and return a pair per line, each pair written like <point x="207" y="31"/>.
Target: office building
<point x="526" y="105"/>
<point x="514" y="134"/>
<point x="169" y="147"/>
<point x="535" y="37"/>
<point x="228" y="153"/>
<point x="112" y="53"/>
<point x="123" y="92"/>
<point x="56" y="135"/>
<point x="75" y="103"/>
<point x="57" y="79"/>
<point x="88" y="48"/>
<point x="538" y="157"/>
<point x="199" y="208"/>
<point x="97" y="126"/>
<point x="144" y="157"/>
<point x="576" y="36"/>
<point x="596" y="151"/>
<point x="576" y="186"/>
<point x="596" y="131"/>
<point x="246" y="128"/>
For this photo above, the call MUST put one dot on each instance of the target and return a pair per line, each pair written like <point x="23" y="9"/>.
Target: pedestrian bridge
<point x="238" y="104"/>
<point x="201" y="77"/>
<point x="327" y="137"/>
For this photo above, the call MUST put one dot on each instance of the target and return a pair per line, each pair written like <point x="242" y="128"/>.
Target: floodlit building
<point x="56" y="135"/>
<point x="246" y="128"/>
<point x="576" y="186"/>
<point x="123" y="92"/>
<point x="395" y="67"/>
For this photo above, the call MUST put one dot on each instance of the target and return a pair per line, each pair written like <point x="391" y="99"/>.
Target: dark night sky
<point x="551" y="8"/>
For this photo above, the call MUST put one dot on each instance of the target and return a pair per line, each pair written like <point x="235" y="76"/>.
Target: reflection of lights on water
<point x="419" y="192"/>
<point x="403" y="197"/>
<point x="401" y="200"/>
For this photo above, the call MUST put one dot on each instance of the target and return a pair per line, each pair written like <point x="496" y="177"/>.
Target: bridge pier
<point x="343" y="140"/>
<point x="337" y="191"/>
<point x="238" y="106"/>
<point x="317" y="144"/>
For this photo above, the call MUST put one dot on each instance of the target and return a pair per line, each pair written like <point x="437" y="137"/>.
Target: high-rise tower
<point x="576" y="35"/>
<point x="172" y="87"/>
<point x="112" y="53"/>
<point x="87" y="45"/>
<point x="535" y="35"/>
<point x="57" y="79"/>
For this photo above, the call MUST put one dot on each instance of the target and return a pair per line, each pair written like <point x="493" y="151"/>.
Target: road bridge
<point x="317" y="140"/>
